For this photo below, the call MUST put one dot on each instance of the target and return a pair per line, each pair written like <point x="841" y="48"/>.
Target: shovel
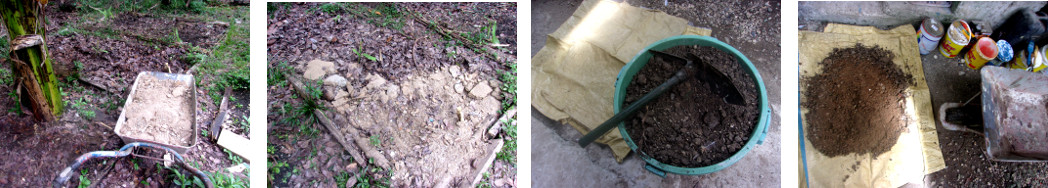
<point x="718" y="82"/>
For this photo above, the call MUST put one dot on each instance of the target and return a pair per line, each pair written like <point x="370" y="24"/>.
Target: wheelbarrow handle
<point x="67" y="173"/>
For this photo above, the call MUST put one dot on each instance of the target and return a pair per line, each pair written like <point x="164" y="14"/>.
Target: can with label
<point x="983" y="51"/>
<point x="929" y="35"/>
<point x="956" y="38"/>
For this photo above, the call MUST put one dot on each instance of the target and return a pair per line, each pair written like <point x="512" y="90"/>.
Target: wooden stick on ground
<point x="436" y="26"/>
<point x="495" y="128"/>
<point x="353" y="149"/>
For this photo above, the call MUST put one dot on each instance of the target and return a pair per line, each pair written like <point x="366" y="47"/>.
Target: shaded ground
<point x="751" y="27"/>
<point x="383" y="60"/>
<point x="967" y="164"/>
<point x="97" y="54"/>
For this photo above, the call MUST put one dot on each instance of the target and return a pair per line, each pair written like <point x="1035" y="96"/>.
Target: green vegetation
<point x="84" y="182"/>
<point x="4" y="47"/>
<point x="509" y="90"/>
<point x="341" y="178"/>
<point x="509" y="151"/>
<point x="365" y="55"/>
<point x="375" y="140"/>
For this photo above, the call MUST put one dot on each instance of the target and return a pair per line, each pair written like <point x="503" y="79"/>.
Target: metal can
<point x="983" y="51"/>
<point x="928" y="35"/>
<point x="1004" y="53"/>
<point x="956" y="38"/>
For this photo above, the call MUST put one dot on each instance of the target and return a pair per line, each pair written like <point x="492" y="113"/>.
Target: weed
<point x="276" y="75"/>
<point x="302" y="115"/>
<point x="227" y="181"/>
<point x="387" y="15"/>
<point x="331" y="8"/>
<point x="4" y="47"/>
<point x="375" y="141"/>
<point x="204" y="132"/>
<point x="232" y="157"/>
<point x="180" y="179"/>
<point x="197" y="6"/>
<point x="194" y="58"/>
<point x="508" y="152"/>
<point x="274" y="168"/>
<point x="509" y="86"/>
<point x="84" y="182"/>
<point x="341" y="178"/>
<point x="6" y="77"/>
<point x="365" y="55"/>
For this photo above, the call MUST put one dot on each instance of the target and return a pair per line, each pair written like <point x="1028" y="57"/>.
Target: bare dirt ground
<point x="416" y="102"/>
<point x="752" y="27"/>
<point x="97" y="54"/>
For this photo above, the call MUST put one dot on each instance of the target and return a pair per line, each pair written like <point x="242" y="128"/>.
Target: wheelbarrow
<point x="1012" y="114"/>
<point x="138" y="142"/>
<point x="622" y="112"/>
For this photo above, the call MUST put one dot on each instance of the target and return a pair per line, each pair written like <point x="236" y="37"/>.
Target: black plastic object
<point x="1022" y="28"/>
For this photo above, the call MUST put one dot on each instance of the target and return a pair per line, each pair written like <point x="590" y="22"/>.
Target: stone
<point x="480" y="90"/>
<point x="336" y="81"/>
<point x="489" y="105"/>
<point x="318" y="68"/>
<point x="459" y="88"/>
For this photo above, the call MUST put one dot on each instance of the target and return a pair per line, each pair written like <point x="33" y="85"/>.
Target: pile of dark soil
<point x="689" y="125"/>
<point x="855" y="102"/>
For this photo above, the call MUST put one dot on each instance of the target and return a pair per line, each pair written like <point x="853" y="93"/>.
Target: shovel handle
<point x="633" y="108"/>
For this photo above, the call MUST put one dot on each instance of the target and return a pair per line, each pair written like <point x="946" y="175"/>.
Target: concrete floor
<point x="558" y="161"/>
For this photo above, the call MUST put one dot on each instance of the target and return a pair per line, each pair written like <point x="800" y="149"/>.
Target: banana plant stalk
<point x="24" y="20"/>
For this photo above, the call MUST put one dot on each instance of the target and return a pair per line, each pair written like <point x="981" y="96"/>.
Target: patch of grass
<point x="509" y="151"/>
<point x="276" y="76"/>
<point x="341" y="178"/>
<point x="4" y="47"/>
<point x="227" y="181"/>
<point x="275" y="168"/>
<point x="302" y="115"/>
<point x="509" y="86"/>
<point x="386" y="15"/>
<point x="172" y="38"/>
<point x="366" y="180"/>
<point x="6" y="77"/>
<point x="194" y="58"/>
<point x="331" y="8"/>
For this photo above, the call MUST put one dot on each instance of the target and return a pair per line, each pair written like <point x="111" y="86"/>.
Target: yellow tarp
<point x="917" y="151"/>
<point x="573" y="76"/>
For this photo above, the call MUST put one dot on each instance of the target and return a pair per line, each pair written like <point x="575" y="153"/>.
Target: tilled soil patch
<point x="856" y="102"/>
<point x="689" y="125"/>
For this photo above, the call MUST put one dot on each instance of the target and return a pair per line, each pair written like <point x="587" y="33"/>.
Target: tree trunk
<point x="24" y="20"/>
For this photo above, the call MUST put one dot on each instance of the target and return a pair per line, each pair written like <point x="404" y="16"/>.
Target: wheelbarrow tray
<point x="121" y="122"/>
<point x="1015" y="115"/>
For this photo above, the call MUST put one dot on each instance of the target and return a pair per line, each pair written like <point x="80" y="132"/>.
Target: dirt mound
<point x="689" y="125"/>
<point x="856" y="102"/>
<point x="427" y="126"/>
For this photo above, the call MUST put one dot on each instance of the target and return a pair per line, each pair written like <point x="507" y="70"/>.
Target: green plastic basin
<point x="626" y="76"/>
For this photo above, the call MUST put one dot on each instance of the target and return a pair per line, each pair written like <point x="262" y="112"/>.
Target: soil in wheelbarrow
<point x="689" y="125"/>
<point x="160" y="111"/>
<point x="855" y="104"/>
